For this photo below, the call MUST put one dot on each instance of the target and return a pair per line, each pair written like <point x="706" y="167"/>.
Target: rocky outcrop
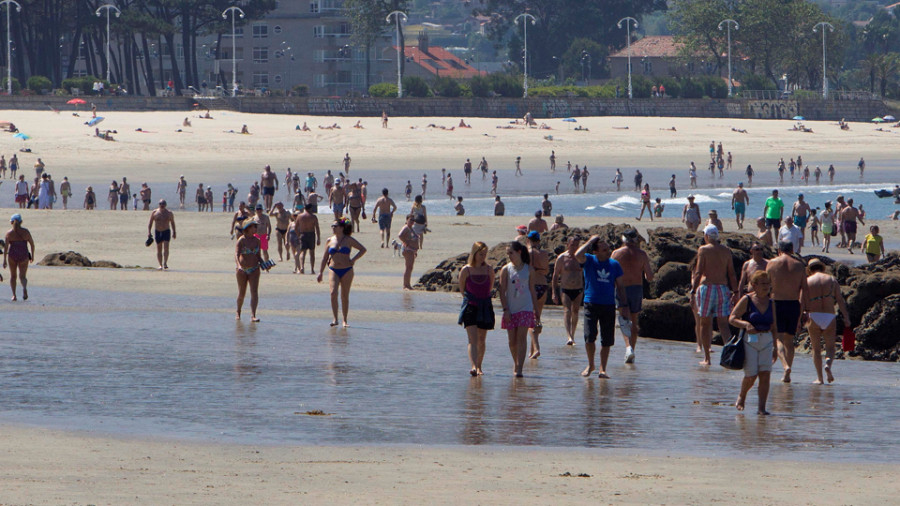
<point x="877" y="336"/>
<point x="73" y="259"/>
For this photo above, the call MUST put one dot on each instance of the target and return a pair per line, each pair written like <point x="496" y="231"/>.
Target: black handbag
<point x="733" y="353"/>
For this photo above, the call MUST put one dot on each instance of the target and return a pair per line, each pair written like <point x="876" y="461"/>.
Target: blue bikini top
<point x="760" y="321"/>
<point x="344" y="249"/>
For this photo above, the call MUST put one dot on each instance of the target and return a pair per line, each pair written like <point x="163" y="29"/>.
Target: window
<point x="225" y="53"/>
<point x="260" y="31"/>
<point x="648" y="66"/>
<point x="314" y="7"/>
<point x="238" y="32"/>
<point x="318" y="31"/>
<point x="260" y="79"/>
<point x="260" y="55"/>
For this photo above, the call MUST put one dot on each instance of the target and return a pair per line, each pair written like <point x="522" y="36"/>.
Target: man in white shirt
<point x="21" y="192"/>
<point x="792" y="234"/>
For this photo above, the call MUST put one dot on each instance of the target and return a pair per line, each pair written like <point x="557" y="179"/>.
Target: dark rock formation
<point x="877" y="337"/>
<point x="671" y="276"/>
<point x="667" y="318"/>
<point x="73" y="259"/>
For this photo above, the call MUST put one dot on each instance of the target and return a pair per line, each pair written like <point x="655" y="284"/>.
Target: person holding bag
<point x="754" y="315"/>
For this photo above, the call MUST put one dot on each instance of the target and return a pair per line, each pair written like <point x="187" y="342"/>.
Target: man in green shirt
<point x="773" y="212"/>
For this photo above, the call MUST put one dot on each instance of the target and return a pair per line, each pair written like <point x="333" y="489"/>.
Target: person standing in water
<point x="476" y="281"/>
<point x="16" y="254"/>
<point x="517" y="297"/>
<point x="247" y="260"/>
<point x="567" y="286"/>
<point x="338" y="260"/>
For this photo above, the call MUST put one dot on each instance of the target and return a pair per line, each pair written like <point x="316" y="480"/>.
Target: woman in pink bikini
<point x="16" y="254"/>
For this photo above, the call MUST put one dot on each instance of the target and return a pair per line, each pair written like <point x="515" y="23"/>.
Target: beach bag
<point x="733" y="353"/>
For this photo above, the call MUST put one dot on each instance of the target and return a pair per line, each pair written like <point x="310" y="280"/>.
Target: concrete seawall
<point x="540" y="107"/>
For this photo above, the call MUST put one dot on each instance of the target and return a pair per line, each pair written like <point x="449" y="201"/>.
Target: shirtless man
<point x="65" y="189"/>
<point x="568" y="286"/>
<point x="289" y="182"/>
<point x="200" y="198"/>
<point x="263" y="230"/>
<point x="181" y="189"/>
<point x="540" y="263"/>
<point x="337" y="199"/>
<point x="713" y="286"/>
<point x="347" y="163"/>
<point x="537" y="223"/>
<point x="282" y="222"/>
<point x="790" y="293"/>
<point x="146" y="193"/>
<point x="739" y="202"/>
<point x="635" y="269"/>
<point x="824" y="293"/>
<point x="552" y="161"/>
<point x="384" y="213"/>
<point x="849" y="216"/>
<point x="467" y="170"/>
<point x="306" y="226"/>
<point x="757" y="262"/>
<point x="800" y="215"/>
<point x="124" y="194"/>
<point x="164" y="221"/>
<point x="268" y="181"/>
<point x="546" y="206"/>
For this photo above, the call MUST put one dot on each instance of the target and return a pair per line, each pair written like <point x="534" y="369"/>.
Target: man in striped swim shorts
<point x="713" y="287"/>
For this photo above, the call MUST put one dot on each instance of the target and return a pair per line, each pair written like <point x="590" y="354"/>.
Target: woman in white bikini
<point x="824" y="293"/>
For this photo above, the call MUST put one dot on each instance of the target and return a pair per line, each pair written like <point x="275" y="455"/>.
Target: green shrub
<point x="447" y="87"/>
<point x="756" y="82"/>
<point x="85" y="83"/>
<point x="383" y="90"/>
<point x="713" y="86"/>
<point x="690" y="88"/>
<point x="672" y="86"/>
<point x="16" y="86"/>
<point x="38" y="83"/>
<point x="301" y="90"/>
<point x="465" y="90"/>
<point x="806" y="94"/>
<point x="506" y="85"/>
<point x="480" y="87"/>
<point x="414" y="86"/>
<point x="640" y="86"/>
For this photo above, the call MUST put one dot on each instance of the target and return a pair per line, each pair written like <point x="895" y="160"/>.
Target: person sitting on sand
<point x="245" y="130"/>
<point x="358" y="125"/>
<point x="12" y="128"/>
<point x="186" y="122"/>
<point x="462" y="124"/>
<point x="305" y="128"/>
<point x="545" y="126"/>
<point x="894" y="216"/>
<point x="582" y="129"/>
<point x="207" y="116"/>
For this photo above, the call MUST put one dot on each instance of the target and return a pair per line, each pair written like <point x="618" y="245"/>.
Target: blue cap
<point x="534" y="235"/>
<point x="16" y="217"/>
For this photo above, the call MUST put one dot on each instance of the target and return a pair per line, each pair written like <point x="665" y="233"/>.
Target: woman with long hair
<point x="420" y="216"/>
<point x="476" y="281"/>
<point x="247" y="259"/>
<point x="337" y="258"/>
<point x="645" y="202"/>
<point x="409" y="241"/>
<point x="16" y="254"/>
<point x="113" y="195"/>
<point x="518" y="299"/>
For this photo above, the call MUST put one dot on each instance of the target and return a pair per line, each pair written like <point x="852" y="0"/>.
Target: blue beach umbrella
<point x="890" y="118"/>
<point x="799" y="118"/>
<point x="96" y="120"/>
<point x="22" y="136"/>
<point x="571" y="120"/>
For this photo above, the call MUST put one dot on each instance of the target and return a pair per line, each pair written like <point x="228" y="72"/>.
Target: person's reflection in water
<point x="408" y="301"/>
<point x="475" y="430"/>
<point x="245" y="365"/>
<point x="598" y="420"/>
<point x="518" y="423"/>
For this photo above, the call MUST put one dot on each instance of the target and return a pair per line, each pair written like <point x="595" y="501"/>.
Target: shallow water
<point x="181" y="367"/>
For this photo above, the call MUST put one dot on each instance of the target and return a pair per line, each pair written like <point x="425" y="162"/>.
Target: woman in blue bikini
<point x="246" y="260"/>
<point x="337" y="257"/>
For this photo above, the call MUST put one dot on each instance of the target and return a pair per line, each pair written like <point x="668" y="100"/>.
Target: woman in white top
<point x="518" y="299"/>
<point x="826" y="218"/>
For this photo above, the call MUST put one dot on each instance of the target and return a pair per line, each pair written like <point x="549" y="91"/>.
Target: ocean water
<point x="181" y="367"/>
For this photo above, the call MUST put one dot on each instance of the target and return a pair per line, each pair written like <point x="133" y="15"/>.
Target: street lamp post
<point x="823" y="24"/>
<point x="586" y="60"/>
<point x="526" y="17"/>
<point x="9" y="4"/>
<point x="400" y="16"/>
<point x="728" y="23"/>
<point x="235" y="11"/>
<point x="108" y="8"/>
<point x="628" y="20"/>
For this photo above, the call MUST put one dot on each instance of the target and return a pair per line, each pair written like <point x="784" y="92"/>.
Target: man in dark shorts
<point x="164" y="221"/>
<point x="282" y="222"/>
<point x="145" y="196"/>
<point x="790" y="293"/>
<point x="467" y="169"/>
<point x="124" y="193"/>
<point x="602" y="276"/>
<point x="306" y="227"/>
<point x="384" y="211"/>
<point x="774" y="212"/>
<point x="268" y="181"/>
<point x="636" y="268"/>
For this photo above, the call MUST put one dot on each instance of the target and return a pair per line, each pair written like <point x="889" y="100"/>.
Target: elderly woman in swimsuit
<point x="16" y="254"/>
<point x="247" y="257"/>
<point x="824" y="293"/>
<point x="754" y="315"/>
<point x="337" y="257"/>
<point x="409" y="240"/>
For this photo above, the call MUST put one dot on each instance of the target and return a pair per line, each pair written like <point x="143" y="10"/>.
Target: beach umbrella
<point x="877" y="120"/>
<point x="76" y="101"/>
<point x="571" y="120"/>
<point x="799" y="118"/>
<point x="96" y="120"/>
<point x="22" y="136"/>
<point x="890" y="118"/>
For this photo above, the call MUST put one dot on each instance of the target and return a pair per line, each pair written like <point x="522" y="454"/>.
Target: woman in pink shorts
<point x="518" y="299"/>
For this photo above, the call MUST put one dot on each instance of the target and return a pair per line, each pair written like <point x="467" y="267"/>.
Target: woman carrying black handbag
<point x="754" y="315"/>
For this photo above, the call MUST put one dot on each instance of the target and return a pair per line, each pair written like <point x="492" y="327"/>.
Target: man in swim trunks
<point x="773" y="212"/>
<point x="282" y="222"/>
<point x="540" y="263"/>
<point x="538" y="223"/>
<point x="306" y="227"/>
<point x="124" y="194"/>
<point x="145" y="198"/>
<point x="22" y="191"/>
<point x="384" y="211"/>
<point x="181" y="189"/>
<point x="739" y="202"/>
<point x="790" y="293"/>
<point x="568" y="286"/>
<point x="268" y="181"/>
<point x="757" y="262"/>
<point x="310" y="183"/>
<point x="347" y="163"/>
<point x="713" y="286"/>
<point x="164" y="221"/>
<point x="602" y="277"/>
<point x="499" y="206"/>
<point x="849" y="216"/>
<point x="200" y="198"/>
<point x="800" y="214"/>
<point x="263" y="230"/>
<point x="337" y="199"/>
<point x="546" y="206"/>
<point x="635" y="269"/>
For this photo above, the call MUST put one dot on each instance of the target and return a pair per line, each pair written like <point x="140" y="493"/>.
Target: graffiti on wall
<point x="772" y="109"/>
<point x="332" y="106"/>
<point x="733" y="110"/>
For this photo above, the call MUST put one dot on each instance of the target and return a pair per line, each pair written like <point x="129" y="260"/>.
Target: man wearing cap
<point x="800" y="215"/>
<point x="773" y="212"/>
<point x="540" y="263"/>
<point x="164" y="221"/>
<point x="690" y="215"/>
<point x="282" y="222"/>
<point x="268" y="181"/>
<point x="715" y="221"/>
<point x="713" y="287"/>
<point x="537" y="223"/>
<point x="790" y="293"/>
<point x="792" y="234"/>
<point x="635" y="269"/>
<point x="181" y="189"/>
<point x="263" y="230"/>
<point x="739" y="202"/>
<point x="521" y="232"/>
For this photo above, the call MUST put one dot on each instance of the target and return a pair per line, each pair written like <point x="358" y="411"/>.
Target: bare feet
<point x="787" y="376"/>
<point x="480" y="372"/>
<point x="763" y="412"/>
<point x="333" y="324"/>
<point x="535" y="355"/>
<point x="704" y="362"/>
<point x="817" y="382"/>
<point x="828" y="374"/>
<point x="520" y="375"/>
<point x="254" y="319"/>
<point x="345" y="325"/>
<point x="587" y="371"/>
<point x="739" y="403"/>
<point x="237" y="315"/>
<point x="14" y="298"/>
<point x="570" y="342"/>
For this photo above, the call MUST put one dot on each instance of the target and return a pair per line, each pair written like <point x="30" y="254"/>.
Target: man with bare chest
<point x="306" y="226"/>
<point x="164" y="222"/>
<point x="263" y="230"/>
<point x="540" y="262"/>
<point x="268" y="181"/>
<point x="635" y="269"/>
<point x="790" y="293"/>
<point x="568" y="286"/>
<point x="282" y="222"/>
<point x="713" y="286"/>
<point x="739" y="202"/>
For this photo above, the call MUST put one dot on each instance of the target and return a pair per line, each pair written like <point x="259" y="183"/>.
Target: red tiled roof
<point x="440" y="62"/>
<point x="659" y="46"/>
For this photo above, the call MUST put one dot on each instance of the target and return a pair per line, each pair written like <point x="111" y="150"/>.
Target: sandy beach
<point x="95" y="466"/>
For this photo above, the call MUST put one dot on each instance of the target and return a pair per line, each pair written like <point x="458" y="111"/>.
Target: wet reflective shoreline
<point x="154" y="370"/>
